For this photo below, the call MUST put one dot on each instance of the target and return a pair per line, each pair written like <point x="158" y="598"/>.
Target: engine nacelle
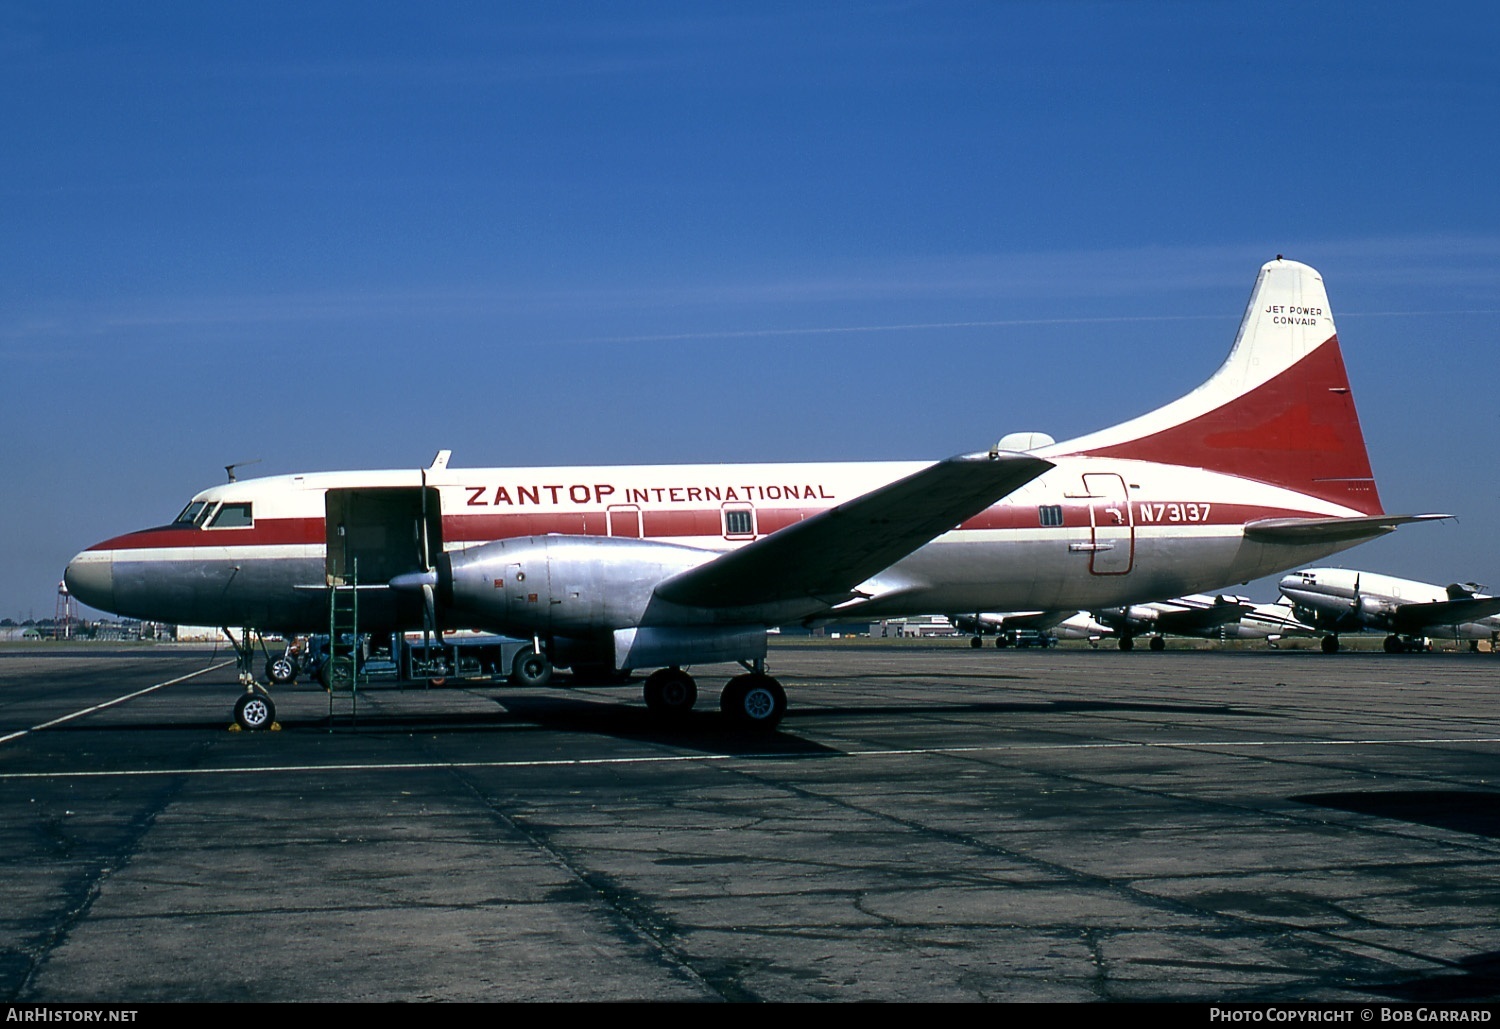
<point x="1374" y="612"/>
<point x="581" y="586"/>
<point x="1132" y="619"/>
<point x="1312" y="616"/>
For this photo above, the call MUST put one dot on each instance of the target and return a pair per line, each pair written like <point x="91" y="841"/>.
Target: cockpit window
<point x="191" y="513"/>
<point x="232" y="516"/>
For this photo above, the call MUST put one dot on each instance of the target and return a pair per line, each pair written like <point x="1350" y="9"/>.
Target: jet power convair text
<point x="1260" y="469"/>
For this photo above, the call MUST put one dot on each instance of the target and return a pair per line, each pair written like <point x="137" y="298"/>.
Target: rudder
<point x="1278" y="409"/>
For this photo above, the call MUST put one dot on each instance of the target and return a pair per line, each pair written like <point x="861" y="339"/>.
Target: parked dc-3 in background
<point x="1260" y="469"/>
<point x="1337" y="600"/>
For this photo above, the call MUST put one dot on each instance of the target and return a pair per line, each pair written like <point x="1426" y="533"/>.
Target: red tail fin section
<point x="1278" y="410"/>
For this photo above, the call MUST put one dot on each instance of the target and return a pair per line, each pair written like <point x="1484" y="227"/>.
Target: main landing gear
<point x="283" y="669"/>
<point x="1395" y="644"/>
<point x="753" y="700"/>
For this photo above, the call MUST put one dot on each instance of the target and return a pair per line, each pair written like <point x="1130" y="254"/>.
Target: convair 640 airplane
<point x="1260" y="469"/>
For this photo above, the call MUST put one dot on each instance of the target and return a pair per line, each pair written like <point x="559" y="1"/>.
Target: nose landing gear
<point x="254" y="710"/>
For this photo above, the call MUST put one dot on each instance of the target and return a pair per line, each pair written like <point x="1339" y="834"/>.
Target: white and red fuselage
<point x="1253" y="473"/>
<point x="1167" y="529"/>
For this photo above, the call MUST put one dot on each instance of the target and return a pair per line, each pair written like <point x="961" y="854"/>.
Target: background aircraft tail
<point x="1278" y="410"/>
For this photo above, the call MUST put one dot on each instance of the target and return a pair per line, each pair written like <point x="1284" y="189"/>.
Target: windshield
<point x="193" y="513"/>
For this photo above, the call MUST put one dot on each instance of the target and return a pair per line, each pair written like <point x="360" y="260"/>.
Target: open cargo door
<point x="388" y="531"/>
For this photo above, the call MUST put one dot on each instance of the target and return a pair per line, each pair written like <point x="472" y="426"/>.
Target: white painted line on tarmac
<point x="417" y="766"/>
<point x="111" y="703"/>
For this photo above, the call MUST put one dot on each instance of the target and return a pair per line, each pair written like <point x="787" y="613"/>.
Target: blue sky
<point x="347" y="235"/>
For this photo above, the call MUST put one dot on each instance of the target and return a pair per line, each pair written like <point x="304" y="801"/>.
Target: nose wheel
<point x="255" y="711"/>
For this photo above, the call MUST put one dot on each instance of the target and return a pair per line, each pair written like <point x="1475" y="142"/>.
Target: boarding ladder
<point x="343" y="667"/>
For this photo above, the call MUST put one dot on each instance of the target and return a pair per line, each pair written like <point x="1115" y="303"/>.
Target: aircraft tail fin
<point x="1278" y="410"/>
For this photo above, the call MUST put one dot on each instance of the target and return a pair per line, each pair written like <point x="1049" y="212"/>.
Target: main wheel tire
<point x="254" y="711"/>
<point x="1330" y="644"/>
<point x="753" y="701"/>
<point x="1157" y="643"/>
<point x="1393" y="645"/>
<point x="530" y="669"/>
<point x="1126" y="643"/>
<point x="281" y="670"/>
<point x="670" y="692"/>
<point x="976" y="643"/>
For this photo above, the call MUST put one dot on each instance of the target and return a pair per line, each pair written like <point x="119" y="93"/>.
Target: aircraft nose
<point x="90" y="577"/>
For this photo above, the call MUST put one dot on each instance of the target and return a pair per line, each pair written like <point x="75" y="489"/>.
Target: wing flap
<point x="832" y="552"/>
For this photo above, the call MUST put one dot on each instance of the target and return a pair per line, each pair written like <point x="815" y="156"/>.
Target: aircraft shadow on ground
<point x="704" y="728"/>
<point x="1469" y="811"/>
<point x="1000" y="707"/>
<point x="558" y="711"/>
<point x="1472" y="979"/>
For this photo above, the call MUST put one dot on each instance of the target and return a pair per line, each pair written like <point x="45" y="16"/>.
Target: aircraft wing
<point x="1190" y="620"/>
<point x="1003" y="621"/>
<point x="1413" y="618"/>
<point x="1038" y="620"/>
<point x="1329" y="530"/>
<point x="828" y="555"/>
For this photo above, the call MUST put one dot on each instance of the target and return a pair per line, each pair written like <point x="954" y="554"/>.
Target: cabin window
<point x="1050" y="514"/>
<point x="232" y="516"/>
<point x="739" y="522"/>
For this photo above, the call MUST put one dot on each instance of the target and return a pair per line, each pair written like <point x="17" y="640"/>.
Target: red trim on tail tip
<point x="1298" y="430"/>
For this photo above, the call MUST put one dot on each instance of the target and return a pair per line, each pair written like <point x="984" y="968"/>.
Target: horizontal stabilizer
<point x="1329" y="530"/>
<point x="832" y="552"/>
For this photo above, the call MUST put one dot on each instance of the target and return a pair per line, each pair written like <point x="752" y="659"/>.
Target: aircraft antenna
<point x="229" y="468"/>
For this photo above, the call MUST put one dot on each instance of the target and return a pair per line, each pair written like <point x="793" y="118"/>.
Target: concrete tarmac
<point x="931" y="823"/>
